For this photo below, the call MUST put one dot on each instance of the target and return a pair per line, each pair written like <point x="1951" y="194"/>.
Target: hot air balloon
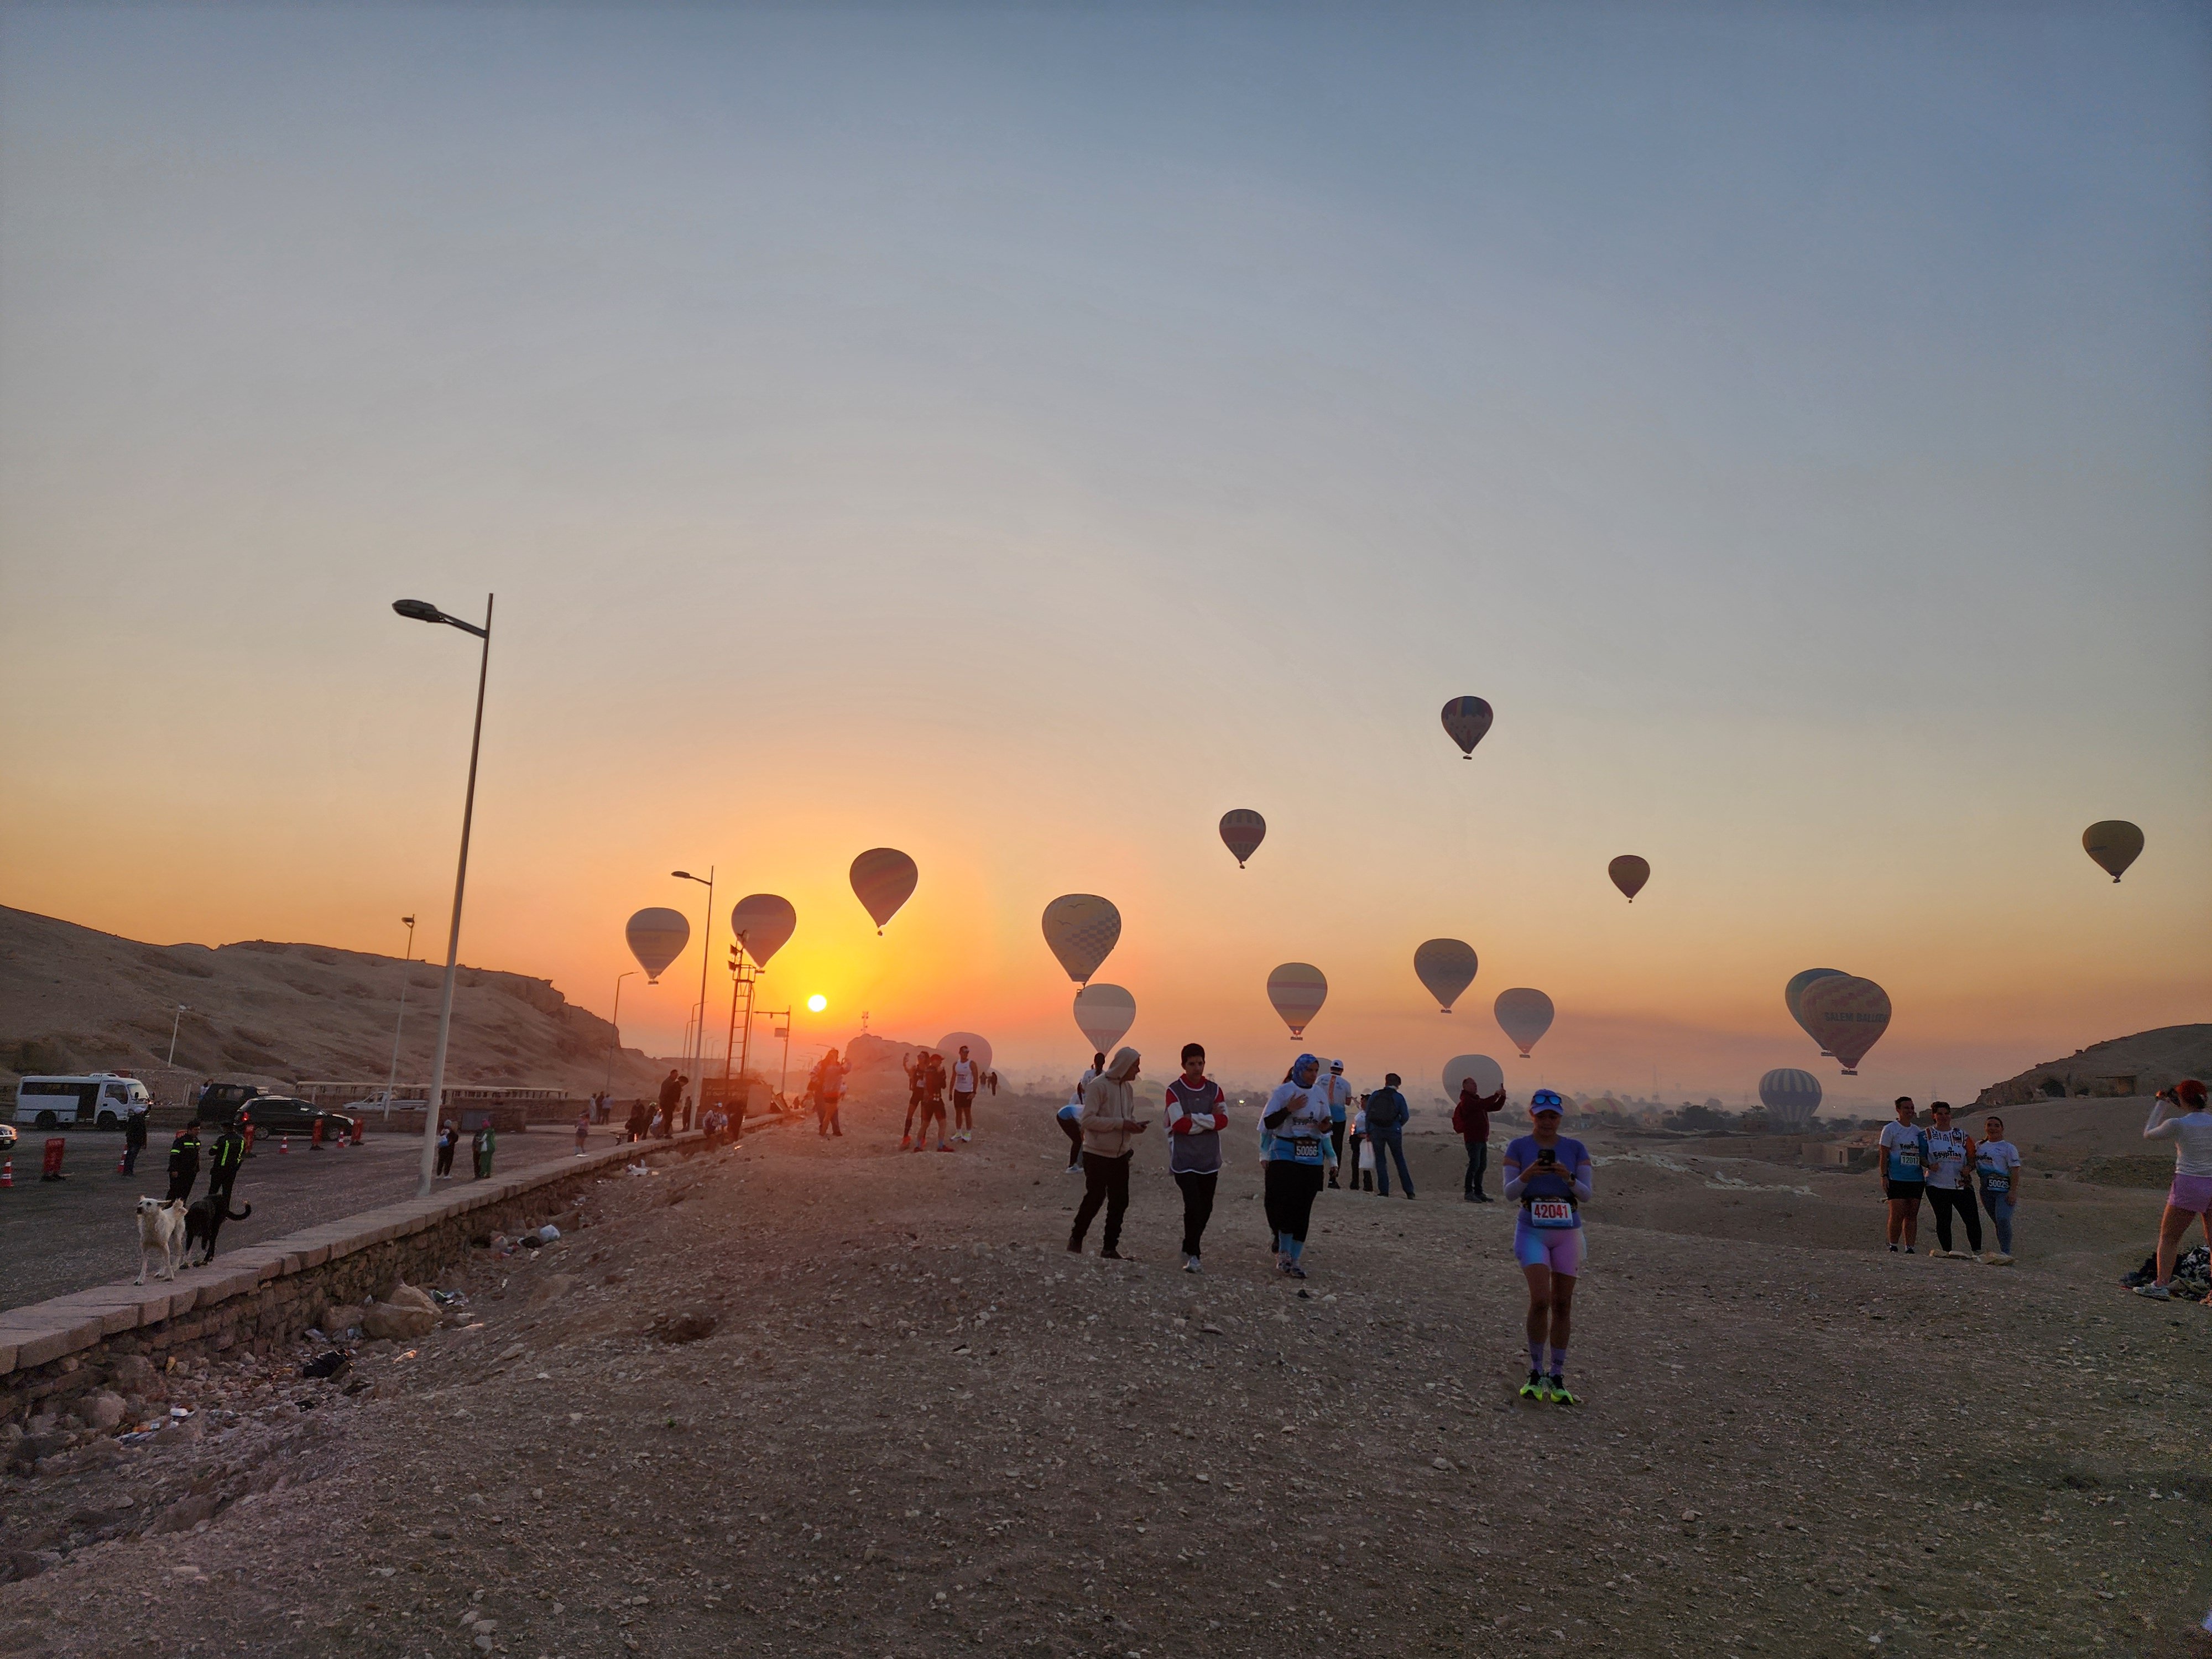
<point x="1629" y="874"/>
<point x="1082" y="930"/>
<point x="979" y="1049"/>
<point x="884" y="879"/>
<point x="1104" y="1013"/>
<point x="1242" y="832"/>
<point x="1523" y="1015"/>
<point x="1846" y="1016"/>
<point x="1792" y="994"/>
<point x="1489" y="1076"/>
<point x="1466" y="719"/>
<point x="1447" y="967"/>
<point x="2115" y="844"/>
<point x="1298" y="989"/>
<point x="760" y="922"/>
<point x="657" y="937"/>
<point x="1791" y="1096"/>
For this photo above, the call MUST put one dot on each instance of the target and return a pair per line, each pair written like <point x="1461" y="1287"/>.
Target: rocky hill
<point x="72" y="999"/>
<point x="2139" y="1065"/>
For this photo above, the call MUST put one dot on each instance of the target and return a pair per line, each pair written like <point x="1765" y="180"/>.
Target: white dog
<point x="160" y="1227"/>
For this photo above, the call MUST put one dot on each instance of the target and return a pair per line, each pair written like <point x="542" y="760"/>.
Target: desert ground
<point x="915" y="1425"/>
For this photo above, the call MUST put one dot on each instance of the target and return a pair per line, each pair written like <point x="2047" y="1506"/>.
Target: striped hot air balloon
<point x="1298" y="989"/>
<point x="1082" y="930"/>
<point x="762" y="923"/>
<point x="657" y="937"/>
<point x="1242" y="832"/>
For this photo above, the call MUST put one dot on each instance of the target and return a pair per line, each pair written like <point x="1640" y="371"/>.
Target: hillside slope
<point x="2142" y="1064"/>
<point x="73" y="999"/>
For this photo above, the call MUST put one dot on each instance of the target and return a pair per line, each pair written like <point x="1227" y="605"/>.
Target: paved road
<point x="64" y="1236"/>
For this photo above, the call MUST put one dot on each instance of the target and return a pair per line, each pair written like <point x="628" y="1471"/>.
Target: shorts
<point x="1907" y="1191"/>
<point x="1560" y="1249"/>
<point x="2193" y="1194"/>
<point x="962" y="1102"/>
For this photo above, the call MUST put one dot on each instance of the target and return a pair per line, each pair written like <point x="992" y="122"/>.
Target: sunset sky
<point x="1020" y="437"/>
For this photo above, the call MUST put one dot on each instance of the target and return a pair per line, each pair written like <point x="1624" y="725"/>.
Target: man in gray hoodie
<point x="1386" y="1124"/>
<point x="1110" y="1125"/>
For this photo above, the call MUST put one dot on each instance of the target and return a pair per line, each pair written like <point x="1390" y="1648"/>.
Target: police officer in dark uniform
<point x="185" y="1160"/>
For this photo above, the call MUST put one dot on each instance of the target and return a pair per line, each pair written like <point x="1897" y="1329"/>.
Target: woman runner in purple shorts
<point x="1549" y="1175"/>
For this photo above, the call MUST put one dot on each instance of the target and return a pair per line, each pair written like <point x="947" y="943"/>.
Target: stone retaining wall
<point x="265" y="1295"/>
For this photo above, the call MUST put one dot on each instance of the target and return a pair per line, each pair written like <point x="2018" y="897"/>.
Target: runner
<point x="1109" y="1120"/>
<point x="932" y="1073"/>
<point x="1362" y="1166"/>
<point x="1996" y="1165"/>
<point x="1338" y="1095"/>
<point x="1197" y="1112"/>
<point x="1295" y="1122"/>
<point x="1071" y="1116"/>
<point x="964" y="1079"/>
<point x="1550" y="1175"/>
<point x="2190" y="1195"/>
<point x="1904" y="1153"/>
<point x="828" y="1084"/>
<point x="917" y="1074"/>
<point x="1950" y="1156"/>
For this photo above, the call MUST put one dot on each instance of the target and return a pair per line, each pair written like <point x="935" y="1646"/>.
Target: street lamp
<point x="406" y="973"/>
<point x="615" y="1036"/>
<point x="705" y="938"/>
<point x="423" y="611"/>
<point x="181" y="1012"/>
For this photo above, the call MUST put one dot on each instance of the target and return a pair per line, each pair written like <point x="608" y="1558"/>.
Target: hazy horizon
<point x="1020" y="438"/>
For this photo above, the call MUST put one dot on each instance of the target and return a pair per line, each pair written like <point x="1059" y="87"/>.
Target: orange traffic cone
<point x="283" y="1143"/>
<point x="7" y="1172"/>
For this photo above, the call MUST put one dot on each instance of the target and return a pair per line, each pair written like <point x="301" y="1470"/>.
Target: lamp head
<point x="418" y="611"/>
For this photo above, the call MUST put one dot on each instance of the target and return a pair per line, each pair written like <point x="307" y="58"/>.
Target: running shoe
<point x="1072" y="1169"/>
<point x="905" y="1141"/>
<point x="1295" y="1270"/>
<point x="1532" y="1389"/>
<point x="1191" y="1266"/>
<point x="1997" y="1259"/>
<point x="1110" y="1256"/>
<point x="942" y="1147"/>
<point x="2155" y="1293"/>
<point x="1556" y="1391"/>
<point x="1892" y="1249"/>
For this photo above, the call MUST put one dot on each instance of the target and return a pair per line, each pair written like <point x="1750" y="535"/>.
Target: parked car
<point x="7" y="1137"/>
<point x="218" y="1103"/>
<point x="282" y="1114"/>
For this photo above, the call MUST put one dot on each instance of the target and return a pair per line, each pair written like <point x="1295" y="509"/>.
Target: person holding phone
<point x="1548" y="1174"/>
<point x="2189" y="1199"/>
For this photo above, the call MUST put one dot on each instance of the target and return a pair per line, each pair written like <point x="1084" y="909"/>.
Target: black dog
<point x="205" y="1220"/>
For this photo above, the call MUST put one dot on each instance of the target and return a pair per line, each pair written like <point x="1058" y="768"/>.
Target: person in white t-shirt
<point x="2179" y="1115"/>
<point x="1996" y="1167"/>
<point x="966" y="1074"/>
<point x="1903" y="1158"/>
<point x="1951" y="1165"/>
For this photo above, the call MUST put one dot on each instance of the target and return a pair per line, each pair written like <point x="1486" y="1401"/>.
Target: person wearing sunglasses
<point x="1549" y="1175"/>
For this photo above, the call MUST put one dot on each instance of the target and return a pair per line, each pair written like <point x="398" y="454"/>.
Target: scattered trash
<point x="325" y="1365"/>
<point x="450" y="1299"/>
<point x="547" y="1233"/>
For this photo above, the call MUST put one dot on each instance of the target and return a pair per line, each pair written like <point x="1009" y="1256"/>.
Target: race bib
<point x="1996" y="1180"/>
<point x="1905" y="1160"/>
<point x="1551" y="1213"/>
<point x="1307" y="1145"/>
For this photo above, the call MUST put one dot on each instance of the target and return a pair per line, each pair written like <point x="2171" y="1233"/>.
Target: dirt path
<point x="919" y="1426"/>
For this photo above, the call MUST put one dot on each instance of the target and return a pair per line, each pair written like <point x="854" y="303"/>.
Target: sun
<point x="816" y="1003"/>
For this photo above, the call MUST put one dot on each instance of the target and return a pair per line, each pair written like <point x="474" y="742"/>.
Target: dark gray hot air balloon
<point x="2115" y="844"/>
<point x="1793" y="994"/>
<point x="762" y="923"/>
<point x="1447" y="967"/>
<point x="657" y="937"/>
<point x="1629" y="874"/>
<point x="1242" y="832"/>
<point x="883" y="879"/>
<point x="1466" y="719"/>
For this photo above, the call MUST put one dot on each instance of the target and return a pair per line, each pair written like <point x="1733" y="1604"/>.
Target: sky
<point x="1020" y="435"/>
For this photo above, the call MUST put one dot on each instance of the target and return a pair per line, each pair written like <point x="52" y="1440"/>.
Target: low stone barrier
<point x="266" y="1294"/>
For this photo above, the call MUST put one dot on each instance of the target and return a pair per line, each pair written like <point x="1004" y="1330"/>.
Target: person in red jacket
<point x="1197" y="1112"/>
<point x="1471" y="1118"/>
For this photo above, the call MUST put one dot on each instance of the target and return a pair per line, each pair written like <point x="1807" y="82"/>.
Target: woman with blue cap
<point x="1294" y="1130"/>
<point x="1549" y="1174"/>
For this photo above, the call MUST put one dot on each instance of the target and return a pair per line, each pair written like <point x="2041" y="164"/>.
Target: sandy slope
<point x="919" y="1426"/>
<point x="73" y="998"/>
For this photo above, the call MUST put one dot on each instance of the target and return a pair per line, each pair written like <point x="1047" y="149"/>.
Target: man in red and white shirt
<point x="1197" y="1112"/>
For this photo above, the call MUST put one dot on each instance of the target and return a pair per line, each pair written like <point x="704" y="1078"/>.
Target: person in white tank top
<point x="965" y="1074"/>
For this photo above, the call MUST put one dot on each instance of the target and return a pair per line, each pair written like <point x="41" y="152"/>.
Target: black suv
<point x="282" y="1115"/>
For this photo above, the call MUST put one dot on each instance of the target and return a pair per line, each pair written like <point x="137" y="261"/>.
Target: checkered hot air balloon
<point x="1082" y="930"/>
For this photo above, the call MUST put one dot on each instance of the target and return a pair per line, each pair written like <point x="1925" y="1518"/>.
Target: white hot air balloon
<point x="1523" y="1015"/>
<point x="1447" y="967"/>
<point x="1298" y="989"/>
<point x="1489" y="1076"/>
<point x="1082" y="930"/>
<point x="762" y="921"/>
<point x="1104" y="1013"/>
<point x="657" y="937"/>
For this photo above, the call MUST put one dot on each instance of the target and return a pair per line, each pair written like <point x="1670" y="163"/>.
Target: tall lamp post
<point x="615" y="1038"/>
<point x="423" y="611"/>
<point x="706" y="939"/>
<point x="406" y="973"/>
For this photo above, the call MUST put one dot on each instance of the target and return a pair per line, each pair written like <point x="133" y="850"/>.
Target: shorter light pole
<point x="181" y="1012"/>
<point x="706" y="939"/>
<point x="406" y="973"/>
<point x="615" y="1036"/>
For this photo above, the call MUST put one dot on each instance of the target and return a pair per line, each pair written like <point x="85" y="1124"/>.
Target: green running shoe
<point x="1532" y="1389"/>
<point x="1555" y="1390"/>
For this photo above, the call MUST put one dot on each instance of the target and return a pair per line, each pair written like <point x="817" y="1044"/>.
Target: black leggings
<point x="1074" y="1128"/>
<point x="1291" y="1189"/>
<point x="1945" y="1199"/>
<point x="1105" y="1181"/>
<point x="1197" y="1206"/>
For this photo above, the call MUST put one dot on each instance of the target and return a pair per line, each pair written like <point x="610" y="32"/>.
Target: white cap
<point x="1336" y="1065"/>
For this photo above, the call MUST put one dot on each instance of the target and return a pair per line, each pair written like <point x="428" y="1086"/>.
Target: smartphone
<point x="1548" y="1156"/>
